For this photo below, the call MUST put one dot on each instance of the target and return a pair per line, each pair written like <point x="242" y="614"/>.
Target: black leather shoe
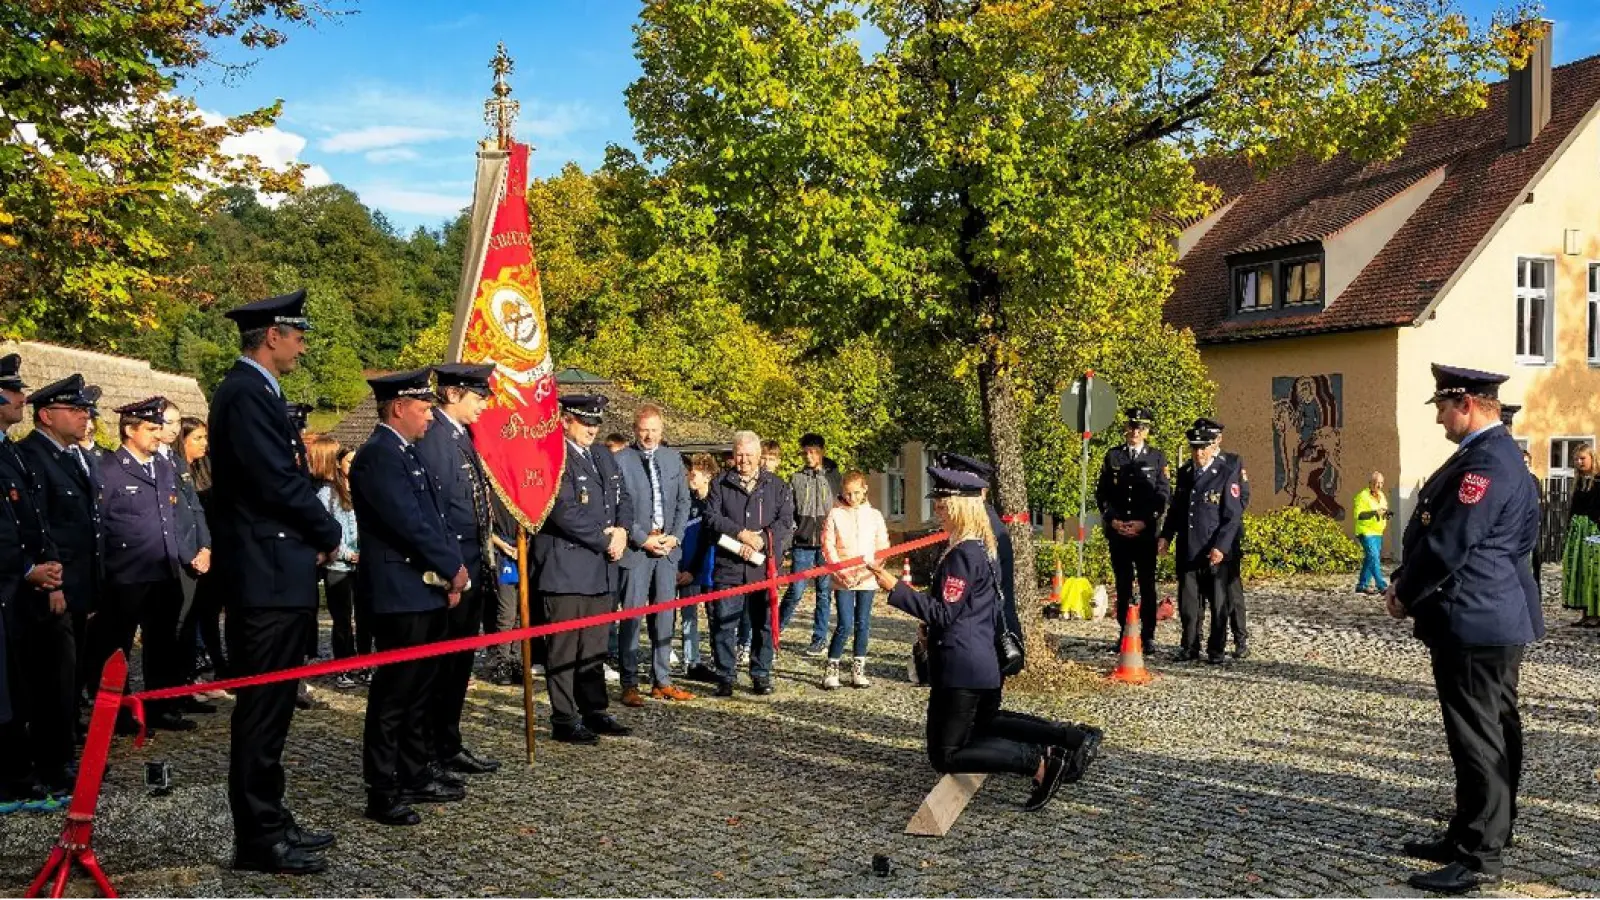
<point x="437" y="773"/>
<point x="763" y="686"/>
<point x="607" y="724"/>
<point x="1055" y="769"/>
<point x="59" y="781"/>
<point x="127" y="725"/>
<point x="307" y="840"/>
<point x="195" y="706"/>
<point x="574" y="734"/>
<point x="171" y="721"/>
<point x="279" y="859"/>
<point x="1078" y="760"/>
<point x="701" y="672"/>
<point x="724" y="689"/>
<point x="433" y="792"/>
<point x="1242" y="653"/>
<point x="1216" y="659"/>
<point x="1452" y="879"/>
<point x="506" y="674"/>
<point x="1441" y="850"/>
<point x="386" y="809"/>
<point x="470" y="763"/>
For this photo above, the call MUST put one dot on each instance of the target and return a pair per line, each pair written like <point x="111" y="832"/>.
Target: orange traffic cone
<point x="1130" y="665"/>
<point x="905" y="572"/>
<point x="1055" y="588"/>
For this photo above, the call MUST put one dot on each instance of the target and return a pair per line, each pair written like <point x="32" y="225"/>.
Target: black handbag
<point x="1007" y="643"/>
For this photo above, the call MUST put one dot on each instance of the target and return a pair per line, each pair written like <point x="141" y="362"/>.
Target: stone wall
<point x="122" y="380"/>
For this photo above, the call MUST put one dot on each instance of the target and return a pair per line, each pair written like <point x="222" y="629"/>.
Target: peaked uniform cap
<point x="471" y="376"/>
<point x="586" y="408"/>
<point x="416" y="384"/>
<point x="284" y="309"/>
<point x="1453" y="381"/>
<point x="957" y="462"/>
<point x="1139" y="416"/>
<point x="150" y="409"/>
<point x="954" y="483"/>
<point x="69" y="391"/>
<point x="11" y="372"/>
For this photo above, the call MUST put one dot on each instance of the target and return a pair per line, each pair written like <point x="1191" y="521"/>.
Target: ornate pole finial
<point x="500" y="111"/>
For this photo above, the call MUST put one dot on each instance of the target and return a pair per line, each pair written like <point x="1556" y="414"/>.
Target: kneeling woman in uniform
<point x="967" y="729"/>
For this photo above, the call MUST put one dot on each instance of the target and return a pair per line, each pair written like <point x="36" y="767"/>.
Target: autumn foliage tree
<point x="1003" y="179"/>
<point x="99" y="156"/>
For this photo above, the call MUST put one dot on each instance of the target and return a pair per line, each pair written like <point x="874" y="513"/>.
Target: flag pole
<point x="527" y="645"/>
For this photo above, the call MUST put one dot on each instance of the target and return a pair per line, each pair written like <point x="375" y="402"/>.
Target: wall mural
<point x="1307" y="423"/>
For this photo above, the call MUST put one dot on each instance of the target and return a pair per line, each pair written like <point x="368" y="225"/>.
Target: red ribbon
<point x="1016" y="519"/>
<point x="135" y="702"/>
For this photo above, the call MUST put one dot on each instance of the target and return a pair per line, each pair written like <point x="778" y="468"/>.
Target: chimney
<point x="1528" y="91"/>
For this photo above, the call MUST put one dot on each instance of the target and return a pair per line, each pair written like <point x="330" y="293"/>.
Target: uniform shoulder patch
<point x="1234" y="490"/>
<point x="1473" y="488"/>
<point x="953" y="588"/>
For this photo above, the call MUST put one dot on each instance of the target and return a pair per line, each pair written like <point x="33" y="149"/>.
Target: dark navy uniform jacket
<point x="1207" y="513"/>
<point x="403" y="530"/>
<point x="769" y="509"/>
<point x="1465" y="577"/>
<point x="139" y="508"/>
<point x="1237" y="462"/>
<point x="194" y="534"/>
<point x="570" y="549"/>
<point x="1133" y="488"/>
<point x="960" y="617"/>
<point x="463" y="488"/>
<point x="68" y="502"/>
<point x="1008" y="566"/>
<point x="268" y="525"/>
<point x="31" y="543"/>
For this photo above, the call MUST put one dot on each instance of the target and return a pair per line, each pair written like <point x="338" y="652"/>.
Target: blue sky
<point x="389" y="101"/>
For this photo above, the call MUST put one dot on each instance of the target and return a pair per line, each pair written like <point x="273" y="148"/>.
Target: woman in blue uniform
<point x="967" y="730"/>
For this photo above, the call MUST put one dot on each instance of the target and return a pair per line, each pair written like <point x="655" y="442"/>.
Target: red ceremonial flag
<point x="500" y="320"/>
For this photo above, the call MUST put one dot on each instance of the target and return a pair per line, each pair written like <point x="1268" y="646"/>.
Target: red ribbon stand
<point x="74" y="844"/>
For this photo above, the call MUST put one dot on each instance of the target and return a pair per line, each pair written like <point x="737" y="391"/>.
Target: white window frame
<point x="1592" y="335"/>
<point x="894" y="487"/>
<point x="1564" y="473"/>
<point x="1547" y="295"/>
<point x="926" y="502"/>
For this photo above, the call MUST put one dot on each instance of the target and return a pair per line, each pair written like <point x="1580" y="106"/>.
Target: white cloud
<point x="277" y="149"/>
<point x="377" y="137"/>
<point x="414" y="202"/>
<point x="391" y="155"/>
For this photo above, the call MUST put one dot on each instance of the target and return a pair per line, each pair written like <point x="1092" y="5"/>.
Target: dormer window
<point x="1264" y="283"/>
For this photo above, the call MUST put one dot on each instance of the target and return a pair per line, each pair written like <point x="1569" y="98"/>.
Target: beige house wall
<point x="1365" y="441"/>
<point x="1474" y="323"/>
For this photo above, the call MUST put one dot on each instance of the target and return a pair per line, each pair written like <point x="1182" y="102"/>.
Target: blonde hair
<point x="969" y="520"/>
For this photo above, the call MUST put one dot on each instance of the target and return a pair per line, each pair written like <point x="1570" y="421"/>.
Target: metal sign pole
<point x="1083" y="468"/>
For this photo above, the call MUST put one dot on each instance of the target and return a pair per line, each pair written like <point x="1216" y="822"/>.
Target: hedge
<point x="1285" y="541"/>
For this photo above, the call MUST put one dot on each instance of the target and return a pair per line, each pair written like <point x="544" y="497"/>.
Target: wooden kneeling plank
<point x="944" y="804"/>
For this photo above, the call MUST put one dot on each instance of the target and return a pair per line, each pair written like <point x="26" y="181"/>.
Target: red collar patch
<point x="1473" y="487"/>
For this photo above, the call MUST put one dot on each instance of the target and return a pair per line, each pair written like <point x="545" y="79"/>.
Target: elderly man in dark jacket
<point x="750" y="516"/>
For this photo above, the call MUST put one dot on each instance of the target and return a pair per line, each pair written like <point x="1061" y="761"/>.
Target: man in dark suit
<point x="656" y="482"/>
<point x="1205" y="515"/>
<point x="462" y="484"/>
<point x="409" y="574"/>
<point x="1466" y="583"/>
<point x="139" y="503"/>
<point x="1234" y="584"/>
<point x="270" y="534"/>
<point x="1131" y="494"/>
<point x="55" y="635"/>
<point x="754" y="510"/>
<point x="26" y="601"/>
<point x="575" y="553"/>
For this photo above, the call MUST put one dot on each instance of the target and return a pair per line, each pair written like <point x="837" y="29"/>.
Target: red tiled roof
<point x="1307" y="201"/>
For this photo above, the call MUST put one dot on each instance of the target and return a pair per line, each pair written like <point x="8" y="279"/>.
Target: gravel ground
<point x="1295" y="773"/>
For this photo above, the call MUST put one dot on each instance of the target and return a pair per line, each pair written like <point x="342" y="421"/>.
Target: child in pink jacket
<point x="854" y="528"/>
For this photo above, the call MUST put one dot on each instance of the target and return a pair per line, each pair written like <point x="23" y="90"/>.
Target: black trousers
<point x="205" y="619"/>
<point x="394" y="746"/>
<point x="352" y="630"/>
<point x="574" y="673"/>
<point x="1236" y="617"/>
<point x="152" y="609"/>
<point x="259" y="641"/>
<point x="46" y="651"/>
<point x="1478" y="697"/>
<point x="465" y="619"/>
<point x="1200" y="587"/>
<point x="969" y="732"/>
<point x="1135" y="558"/>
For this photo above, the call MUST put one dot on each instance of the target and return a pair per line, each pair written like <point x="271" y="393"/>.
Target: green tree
<point x="1003" y="174"/>
<point x="98" y="153"/>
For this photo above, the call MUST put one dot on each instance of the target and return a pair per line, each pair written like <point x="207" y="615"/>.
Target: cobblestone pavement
<point x="1297" y="772"/>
